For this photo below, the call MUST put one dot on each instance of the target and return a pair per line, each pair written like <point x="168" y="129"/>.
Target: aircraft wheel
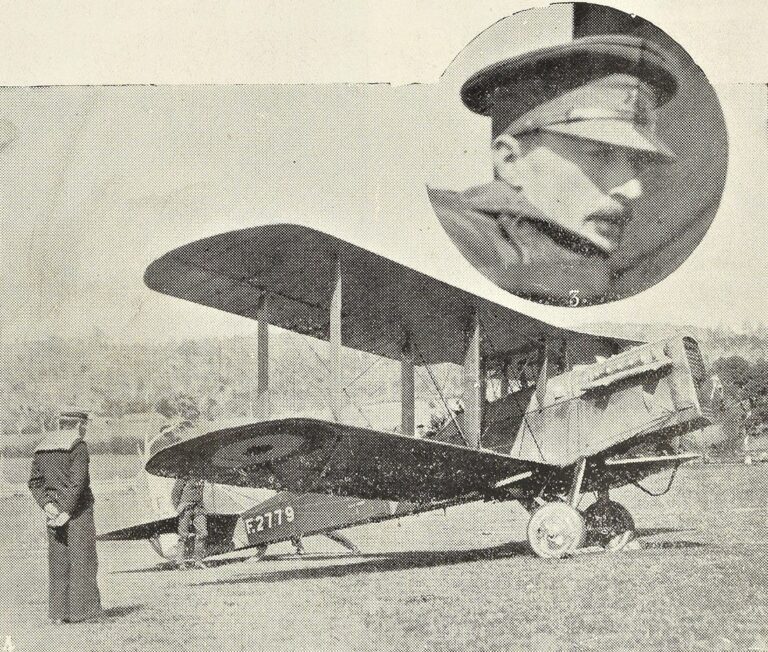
<point x="609" y="524"/>
<point x="555" y="530"/>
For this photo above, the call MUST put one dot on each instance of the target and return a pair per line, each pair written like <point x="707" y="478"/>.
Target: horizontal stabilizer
<point x="141" y="531"/>
<point x="168" y="525"/>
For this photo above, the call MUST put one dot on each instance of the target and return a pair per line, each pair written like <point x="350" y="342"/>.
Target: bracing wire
<point x="343" y="389"/>
<point x="426" y="384"/>
<point x="440" y="393"/>
<point x="364" y="372"/>
<point x="524" y="414"/>
<point x="656" y="495"/>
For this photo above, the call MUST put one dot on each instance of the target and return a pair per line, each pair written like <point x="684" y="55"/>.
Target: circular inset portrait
<point x="604" y="151"/>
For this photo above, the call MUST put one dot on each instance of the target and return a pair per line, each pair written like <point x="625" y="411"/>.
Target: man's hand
<point x="60" y="520"/>
<point x="51" y="510"/>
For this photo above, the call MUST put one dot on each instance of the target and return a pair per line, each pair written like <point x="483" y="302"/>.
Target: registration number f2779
<point x="269" y="520"/>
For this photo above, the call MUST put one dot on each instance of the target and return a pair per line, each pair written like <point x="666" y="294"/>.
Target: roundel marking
<point x="256" y="450"/>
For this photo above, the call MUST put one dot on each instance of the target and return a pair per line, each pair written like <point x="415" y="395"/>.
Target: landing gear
<point x="261" y="550"/>
<point x="339" y="538"/>
<point x="609" y="524"/>
<point x="556" y="530"/>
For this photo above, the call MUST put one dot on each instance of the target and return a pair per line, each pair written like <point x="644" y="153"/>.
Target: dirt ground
<point x="463" y="580"/>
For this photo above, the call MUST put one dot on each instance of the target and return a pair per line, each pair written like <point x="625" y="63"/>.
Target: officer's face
<point x="73" y="424"/>
<point x="584" y="186"/>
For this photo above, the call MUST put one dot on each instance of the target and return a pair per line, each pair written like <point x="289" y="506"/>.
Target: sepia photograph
<point x="371" y="326"/>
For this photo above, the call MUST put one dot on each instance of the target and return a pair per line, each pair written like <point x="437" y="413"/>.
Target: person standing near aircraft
<point x="187" y="499"/>
<point x="60" y="483"/>
<point x="574" y="131"/>
<point x="298" y="544"/>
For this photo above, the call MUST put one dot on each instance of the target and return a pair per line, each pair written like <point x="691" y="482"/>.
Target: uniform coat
<point x="515" y="246"/>
<point x="61" y="476"/>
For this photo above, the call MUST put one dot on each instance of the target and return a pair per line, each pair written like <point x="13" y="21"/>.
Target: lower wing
<point x="313" y="456"/>
<point x="618" y="471"/>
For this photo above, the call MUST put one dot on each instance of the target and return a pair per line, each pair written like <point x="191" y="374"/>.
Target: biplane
<point x="597" y="412"/>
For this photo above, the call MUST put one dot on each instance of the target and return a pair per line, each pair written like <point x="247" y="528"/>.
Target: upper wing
<point x="290" y="270"/>
<point x="313" y="456"/>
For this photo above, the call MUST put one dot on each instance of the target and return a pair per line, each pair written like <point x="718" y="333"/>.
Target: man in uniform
<point x="187" y="499"/>
<point x="60" y="483"/>
<point x="573" y="130"/>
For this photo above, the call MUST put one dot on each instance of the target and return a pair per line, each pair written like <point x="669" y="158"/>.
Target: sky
<point x="100" y="180"/>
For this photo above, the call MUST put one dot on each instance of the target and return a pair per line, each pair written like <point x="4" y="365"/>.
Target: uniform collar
<point x="498" y="198"/>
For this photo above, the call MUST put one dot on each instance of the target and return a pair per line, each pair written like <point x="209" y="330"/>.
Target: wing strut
<point x="447" y="408"/>
<point x="408" y="391"/>
<point x="335" y="350"/>
<point x="504" y="389"/>
<point x="262" y="410"/>
<point x="473" y="386"/>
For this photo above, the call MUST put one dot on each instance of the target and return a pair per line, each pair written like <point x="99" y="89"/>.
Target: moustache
<point x="618" y="215"/>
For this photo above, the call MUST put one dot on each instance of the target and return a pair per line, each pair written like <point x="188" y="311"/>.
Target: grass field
<point x="457" y="581"/>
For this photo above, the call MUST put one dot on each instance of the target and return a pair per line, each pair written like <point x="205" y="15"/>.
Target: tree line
<point x="215" y="378"/>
